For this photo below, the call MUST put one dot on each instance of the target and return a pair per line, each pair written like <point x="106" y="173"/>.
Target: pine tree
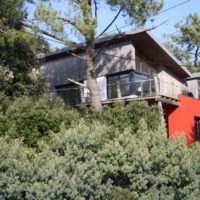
<point x="185" y="44"/>
<point x="81" y="18"/>
<point x="18" y="52"/>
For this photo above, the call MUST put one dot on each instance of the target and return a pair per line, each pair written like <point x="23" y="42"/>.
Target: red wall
<point x="181" y="118"/>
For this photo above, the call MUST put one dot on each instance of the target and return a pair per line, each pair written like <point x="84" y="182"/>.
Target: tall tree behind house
<point x="81" y="18"/>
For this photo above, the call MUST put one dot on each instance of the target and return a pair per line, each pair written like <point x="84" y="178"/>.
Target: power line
<point x="170" y="8"/>
<point x="120" y="57"/>
<point x="161" y="12"/>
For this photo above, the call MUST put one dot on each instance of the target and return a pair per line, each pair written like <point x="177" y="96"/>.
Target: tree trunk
<point x="91" y="76"/>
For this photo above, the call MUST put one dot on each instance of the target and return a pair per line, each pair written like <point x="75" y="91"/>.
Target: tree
<point x="96" y="162"/>
<point x="186" y="44"/>
<point x="18" y="52"/>
<point x="81" y="17"/>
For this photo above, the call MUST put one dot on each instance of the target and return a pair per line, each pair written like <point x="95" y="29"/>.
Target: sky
<point x="165" y="20"/>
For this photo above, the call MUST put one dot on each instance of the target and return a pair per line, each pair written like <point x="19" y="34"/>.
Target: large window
<point x="70" y="93"/>
<point x="130" y="83"/>
<point x="197" y="128"/>
<point x="120" y="85"/>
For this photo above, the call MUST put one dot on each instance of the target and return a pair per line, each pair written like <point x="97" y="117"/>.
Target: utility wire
<point x="170" y="8"/>
<point x="111" y="55"/>
<point x="161" y="12"/>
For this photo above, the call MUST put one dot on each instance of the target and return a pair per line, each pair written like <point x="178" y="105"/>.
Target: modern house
<point x="132" y="66"/>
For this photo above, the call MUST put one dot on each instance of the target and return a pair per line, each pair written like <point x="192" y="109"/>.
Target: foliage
<point x="138" y="11"/>
<point x="79" y="11"/>
<point x="80" y="18"/>
<point x="18" y="52"/>
<point x="121" y="116"/>
<point x="185" y="45"/>
<point x="33" y="119"/>
<point x="94" y="161"/>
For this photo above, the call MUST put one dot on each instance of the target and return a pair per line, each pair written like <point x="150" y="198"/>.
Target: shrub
<point x="96" y="162"/>
<point x="121" y="116"/>
<point x="33" y="119"/>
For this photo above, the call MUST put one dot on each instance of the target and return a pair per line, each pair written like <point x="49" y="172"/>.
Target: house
<point x="132" y="66"/>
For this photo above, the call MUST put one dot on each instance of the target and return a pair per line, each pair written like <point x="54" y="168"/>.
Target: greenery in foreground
<point x="79" y="153"/>
<point x="49" y="151"/>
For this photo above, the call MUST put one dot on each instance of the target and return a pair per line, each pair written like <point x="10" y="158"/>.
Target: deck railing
<point x="122" y="90"/>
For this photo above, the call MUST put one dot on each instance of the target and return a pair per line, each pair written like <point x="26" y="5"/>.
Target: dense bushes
<point x="96" y="162"/>
<point x="120" y="116"/>
<point x="33" y="119"/>
<point x="79" y="153"/>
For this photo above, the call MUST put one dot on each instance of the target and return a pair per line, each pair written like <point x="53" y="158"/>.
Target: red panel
<point x="181" y="119"/>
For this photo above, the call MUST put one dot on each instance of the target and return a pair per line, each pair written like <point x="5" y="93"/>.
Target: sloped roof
<point x="144" y="42"/>
<point x="194" y="76"/>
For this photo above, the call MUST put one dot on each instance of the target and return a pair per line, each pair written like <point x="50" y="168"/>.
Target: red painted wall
<point x="181" y="118"/>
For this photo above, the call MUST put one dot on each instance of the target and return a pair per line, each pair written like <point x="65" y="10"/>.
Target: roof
<point x="143" y="41"/>
<point x="194" y="76"/>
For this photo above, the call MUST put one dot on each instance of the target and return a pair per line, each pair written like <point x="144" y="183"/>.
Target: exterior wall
<point x="113" y="59"/>
<point x="58" y="70"/>
<point x="109" y="61"/>
<point x="171" y="85"/>
<point x="193" y="87"/>
<point x="116" y="58"/>
<point x="181" y="119"/>
<point x="143" y="65"/>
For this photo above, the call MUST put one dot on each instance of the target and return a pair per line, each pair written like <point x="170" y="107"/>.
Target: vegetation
<point x="186" y="44"/>
<point x="50" y="151"/>
<point x="81" y="19"/>
<point x="19" y="73"/>
<point x="96" y="161"/>
<point x="35" y="119"/>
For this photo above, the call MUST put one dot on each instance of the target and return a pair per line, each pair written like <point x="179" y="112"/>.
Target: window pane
<point x="70" y="94"/>
<point x="112" y="87"/>
<point x="139" y="76"/>
<point x="124" y="81"/>
<point x="146" y="88"/>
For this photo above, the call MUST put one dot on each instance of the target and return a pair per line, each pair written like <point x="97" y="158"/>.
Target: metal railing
<point x="121" y="90"/>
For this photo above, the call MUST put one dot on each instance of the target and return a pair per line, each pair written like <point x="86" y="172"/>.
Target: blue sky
<point x="172" y="16"/>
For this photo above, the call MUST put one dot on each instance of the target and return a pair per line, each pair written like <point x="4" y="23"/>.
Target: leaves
<point x="18" y="52"/>
<point x="96" y="162"/>
<point x="185" y="45"/>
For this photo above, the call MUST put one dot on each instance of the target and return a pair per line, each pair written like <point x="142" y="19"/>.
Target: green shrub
<point x="121" y="116"/>
<point x="34" y="119"/>
<point x="96" y="162"/>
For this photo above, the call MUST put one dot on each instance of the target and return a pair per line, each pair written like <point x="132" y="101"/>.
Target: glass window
<point x="119" y="85"/>
<point x="124" y="81"/>
<point x="70" y="94"/>
<point x="112" y="87"/>
<point x="132" y="83"/>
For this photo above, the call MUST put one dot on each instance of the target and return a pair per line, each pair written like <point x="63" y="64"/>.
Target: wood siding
<point x="112" y="59"/>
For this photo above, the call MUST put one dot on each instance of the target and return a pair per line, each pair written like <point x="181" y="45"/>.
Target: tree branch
<point x="196" y="57"/>
<point x="110" y="23"/>
<point x="67" y="21"/>
<point x="44" y="32"/>
<point x="75" y="55"/>
<point x="77" y="83"/>
<point x="95" y="7"/>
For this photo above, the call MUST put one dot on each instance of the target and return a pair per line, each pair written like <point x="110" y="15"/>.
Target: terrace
<point x="121" y="89"/>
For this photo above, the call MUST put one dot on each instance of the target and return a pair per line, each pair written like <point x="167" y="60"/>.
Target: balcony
<point x="124" y="91"/>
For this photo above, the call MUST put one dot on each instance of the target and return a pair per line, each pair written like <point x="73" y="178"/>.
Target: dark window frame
<point x="133" y="77"/>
